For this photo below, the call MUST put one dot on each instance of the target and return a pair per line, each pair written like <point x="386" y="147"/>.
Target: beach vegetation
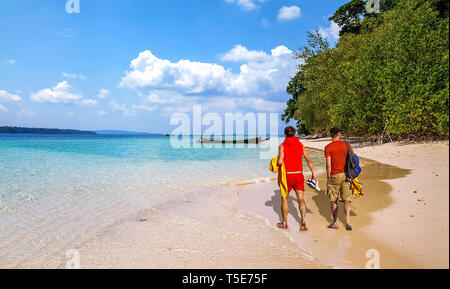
<point x="386" y="77"/>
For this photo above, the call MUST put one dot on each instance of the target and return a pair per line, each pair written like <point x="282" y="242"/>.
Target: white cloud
<point x="330" y="32"/>
<point x="103" y="93"/>
<point x="177" y="86"/>
<point x="261" y="74"/>
<point x="59" y="94"/>
<point x="8" y="97"/>
<point x="247" y="4"/>
<point x="289" y="13"/>
<point x="241" y="54"/>
<point x="69" y="75"/>
<point x="102" y="112"/>
<point x="192" y="77"/>
<point x="10" y="61"/>
<point x="3" y="108"/>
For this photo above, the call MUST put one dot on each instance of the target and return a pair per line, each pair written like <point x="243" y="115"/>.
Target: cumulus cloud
<point x="247" y="4"/>
<point x="262" y="73"/>
<point x="177" y="86"/>
<point x="8" y="97"/>
<point x="331" y="32"/>
<point x="289" y="13"/>
<point x="192" y="77"/>
<point x="61" y="93"/>
<point x="103" y="93"/>
<point x="241" y="54"/>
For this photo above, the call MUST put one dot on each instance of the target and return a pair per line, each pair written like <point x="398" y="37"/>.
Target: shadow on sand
<point x="275" y="203"/>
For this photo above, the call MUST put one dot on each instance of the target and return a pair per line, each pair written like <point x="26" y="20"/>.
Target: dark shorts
<point x="296" y="182"/>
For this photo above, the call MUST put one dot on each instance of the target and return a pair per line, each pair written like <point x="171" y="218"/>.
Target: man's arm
<point x="328" y="167"/>
<point x="281" y="156"/>
<point x="310" y="163"/>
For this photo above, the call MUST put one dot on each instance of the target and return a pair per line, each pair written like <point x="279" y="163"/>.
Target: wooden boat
<point x="233" y="141"/>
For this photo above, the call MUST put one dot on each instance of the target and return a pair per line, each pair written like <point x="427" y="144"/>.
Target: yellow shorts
<point x="339" y="188"/>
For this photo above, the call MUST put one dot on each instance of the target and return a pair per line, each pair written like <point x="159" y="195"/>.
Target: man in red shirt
<point x="339" y="187"/>
<point x="291" y="155"/>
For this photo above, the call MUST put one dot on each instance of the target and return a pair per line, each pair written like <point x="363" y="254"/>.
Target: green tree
<point x="392" y="77"/>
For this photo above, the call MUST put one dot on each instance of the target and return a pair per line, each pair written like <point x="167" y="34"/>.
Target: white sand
<point x="410" y="227"/>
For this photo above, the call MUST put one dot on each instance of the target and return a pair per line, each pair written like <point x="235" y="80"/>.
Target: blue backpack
<point x="352" y="168"/>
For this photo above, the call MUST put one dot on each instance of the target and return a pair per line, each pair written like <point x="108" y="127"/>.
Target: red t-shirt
<point x="337" y="150"/>
<point x="293" y="155"/>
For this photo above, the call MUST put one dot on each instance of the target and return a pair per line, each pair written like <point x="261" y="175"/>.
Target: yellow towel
<point x="282" y="181"/>
<point x="357" y="188"/>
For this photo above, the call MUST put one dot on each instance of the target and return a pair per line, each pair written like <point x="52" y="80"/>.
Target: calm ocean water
<point x="57" y="189"/>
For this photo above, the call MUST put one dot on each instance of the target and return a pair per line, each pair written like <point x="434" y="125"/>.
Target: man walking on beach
<point x="338" y="186"/>
<point x="291" y="154"/>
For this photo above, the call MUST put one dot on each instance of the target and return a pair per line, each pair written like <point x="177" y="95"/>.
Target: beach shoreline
<point x="234" y="225"/>
<point x="407" y="222"/>
<point x="403" y="216"/>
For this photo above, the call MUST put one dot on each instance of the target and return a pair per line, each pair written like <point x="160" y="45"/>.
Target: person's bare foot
<point x="282" y="226"/>
<point x="303" y="227"/>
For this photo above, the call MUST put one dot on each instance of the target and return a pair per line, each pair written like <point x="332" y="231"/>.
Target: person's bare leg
<point x="348" y="208"/>
<point x="334" y="212"/>
<point x="285" y="212"/>
<point x="302" y="207"/>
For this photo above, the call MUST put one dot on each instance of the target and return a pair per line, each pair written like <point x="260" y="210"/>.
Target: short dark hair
<point x="290" y="131"/>
<point x="334" y="131"/>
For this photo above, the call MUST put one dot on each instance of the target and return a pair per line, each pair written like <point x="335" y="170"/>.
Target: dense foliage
<point x="387" y="75"/>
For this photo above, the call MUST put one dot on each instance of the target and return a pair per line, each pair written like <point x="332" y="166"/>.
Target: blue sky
<point x="131" y="64"/>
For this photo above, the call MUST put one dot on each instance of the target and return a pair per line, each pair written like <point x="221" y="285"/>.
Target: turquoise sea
<point x="57" y="190"/>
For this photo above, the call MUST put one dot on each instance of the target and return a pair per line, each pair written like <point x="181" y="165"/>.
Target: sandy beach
<point x="404" y="216"/>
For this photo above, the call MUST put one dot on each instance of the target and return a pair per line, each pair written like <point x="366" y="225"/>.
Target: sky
<point x="132" y="64"/>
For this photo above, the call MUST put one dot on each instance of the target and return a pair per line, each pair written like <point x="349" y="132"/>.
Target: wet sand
<point x="404" y="214"/>
<point x="336" y="248"/>
<point x="196" y="233"/>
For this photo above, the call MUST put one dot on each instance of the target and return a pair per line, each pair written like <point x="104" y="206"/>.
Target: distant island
<point x="23" y="130"/>
<point x="121" y="132"/>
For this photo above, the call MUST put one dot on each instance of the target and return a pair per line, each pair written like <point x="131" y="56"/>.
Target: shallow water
<point x="57" y="190"/>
